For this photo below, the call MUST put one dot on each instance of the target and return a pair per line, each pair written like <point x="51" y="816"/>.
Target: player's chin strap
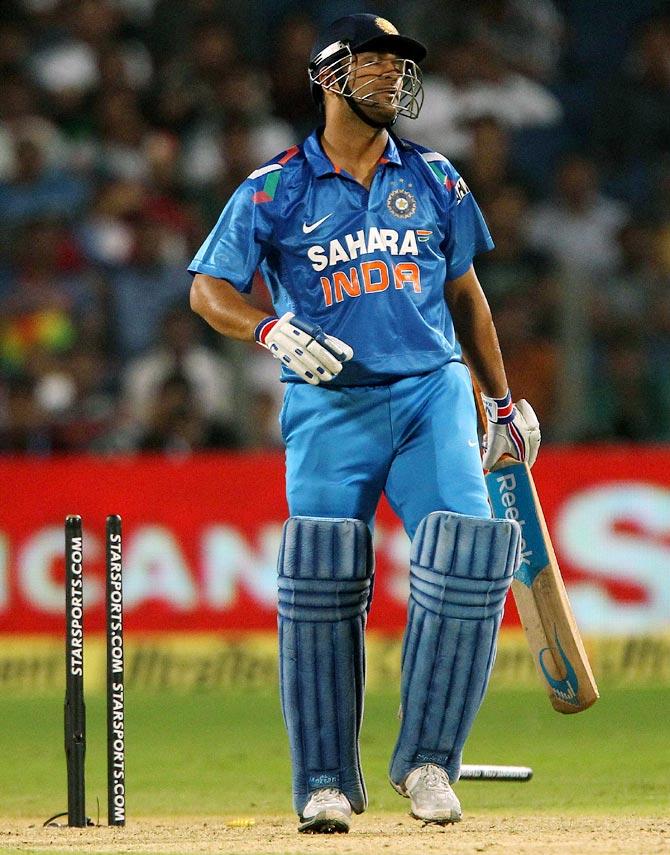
<point x="363" y="116"/>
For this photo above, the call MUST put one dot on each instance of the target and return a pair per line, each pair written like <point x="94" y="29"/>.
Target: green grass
<point x="221" y="754"/>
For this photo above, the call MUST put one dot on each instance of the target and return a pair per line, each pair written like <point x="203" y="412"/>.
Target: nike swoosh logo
<point x="307" y="229"/>
<point x="471" y="443"/>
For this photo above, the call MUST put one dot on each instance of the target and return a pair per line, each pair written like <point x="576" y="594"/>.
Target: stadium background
<point x="125" y="124"/>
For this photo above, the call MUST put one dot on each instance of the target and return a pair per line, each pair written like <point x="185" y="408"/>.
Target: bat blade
<point x="542" y="601"/>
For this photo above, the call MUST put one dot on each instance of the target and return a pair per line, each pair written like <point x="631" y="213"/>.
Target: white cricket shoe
<point x="327" y="812"/>
<point x="431" y="796"/>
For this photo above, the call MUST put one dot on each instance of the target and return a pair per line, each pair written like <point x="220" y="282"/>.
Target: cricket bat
<point x="541" y="598"/>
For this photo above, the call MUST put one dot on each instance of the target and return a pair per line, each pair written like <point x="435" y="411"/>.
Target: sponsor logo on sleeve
<point x="461" y="190"/>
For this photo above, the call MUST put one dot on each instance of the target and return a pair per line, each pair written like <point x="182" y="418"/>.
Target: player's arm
<point x="475" y="330"/>
<point x="301" y="346"/>
<point x="224" y="308"/>
<point x="511" y="429"/>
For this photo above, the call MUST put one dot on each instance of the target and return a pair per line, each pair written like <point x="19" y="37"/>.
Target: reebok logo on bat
<point x="310" y="228"/>
<point x="506" y="486"/>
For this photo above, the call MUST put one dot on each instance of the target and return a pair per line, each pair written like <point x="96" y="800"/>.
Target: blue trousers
<point x="414" y="440"/>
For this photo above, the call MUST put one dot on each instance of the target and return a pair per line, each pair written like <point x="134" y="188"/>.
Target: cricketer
<point x="366" y="243"/>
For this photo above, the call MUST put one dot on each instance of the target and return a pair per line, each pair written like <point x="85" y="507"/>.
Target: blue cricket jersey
<point x="369" y="267"/>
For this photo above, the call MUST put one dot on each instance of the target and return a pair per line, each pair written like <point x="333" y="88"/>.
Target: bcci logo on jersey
<point x="401" y="203"/>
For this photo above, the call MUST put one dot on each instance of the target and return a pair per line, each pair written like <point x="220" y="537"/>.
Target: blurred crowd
<point x="126" y="124"/>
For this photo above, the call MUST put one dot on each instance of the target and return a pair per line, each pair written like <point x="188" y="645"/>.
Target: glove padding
<point x="520" y="438"/>
<point x="303" y="347"/>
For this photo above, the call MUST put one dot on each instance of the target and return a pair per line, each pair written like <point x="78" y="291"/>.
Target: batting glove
<point x="511" y="429"/>
<point x="303" y="347"/>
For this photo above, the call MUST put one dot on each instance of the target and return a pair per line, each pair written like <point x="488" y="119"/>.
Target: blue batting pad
<point x="461" y="570"/>
<point x="325" y="578"/>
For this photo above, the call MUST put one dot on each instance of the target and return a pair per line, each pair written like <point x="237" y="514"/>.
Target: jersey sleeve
<point x="467" y="233"/>
<point x="240" y="239"/>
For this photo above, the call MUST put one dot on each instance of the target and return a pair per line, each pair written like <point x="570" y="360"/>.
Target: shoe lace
<point x="436" y="778"/>
<point x="325" y="795"/>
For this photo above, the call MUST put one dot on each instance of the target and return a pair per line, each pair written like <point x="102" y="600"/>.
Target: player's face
<point x="376" y="82"/>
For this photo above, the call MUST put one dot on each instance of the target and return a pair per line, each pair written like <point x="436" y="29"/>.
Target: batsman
<point x="366" y="242"/>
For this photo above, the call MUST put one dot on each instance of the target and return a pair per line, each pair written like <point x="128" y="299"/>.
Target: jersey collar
<point x="321" y="165"/>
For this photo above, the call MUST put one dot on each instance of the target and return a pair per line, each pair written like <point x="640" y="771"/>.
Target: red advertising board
<point x="201" y="535"/>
